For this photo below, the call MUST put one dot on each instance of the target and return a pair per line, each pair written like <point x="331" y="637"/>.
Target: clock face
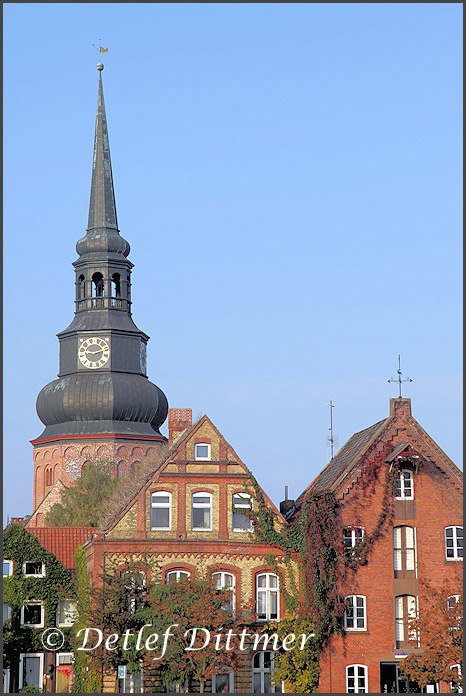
<point x="143" y="357"/>
<point x="94" y="352"/>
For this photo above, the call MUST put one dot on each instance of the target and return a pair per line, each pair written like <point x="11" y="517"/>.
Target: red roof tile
<point x="62" y="541"/>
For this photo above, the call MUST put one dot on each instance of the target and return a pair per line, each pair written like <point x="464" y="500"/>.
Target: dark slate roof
<point x="351" y="451"/>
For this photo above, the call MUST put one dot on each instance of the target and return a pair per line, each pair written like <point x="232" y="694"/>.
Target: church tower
<point x="102" y="406"/>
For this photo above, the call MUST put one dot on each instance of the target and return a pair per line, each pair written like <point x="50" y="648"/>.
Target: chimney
<point x="178" y="420"/>
<point x="286" y="504"/>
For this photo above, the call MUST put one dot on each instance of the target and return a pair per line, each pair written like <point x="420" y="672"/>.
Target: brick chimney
<point x="178" y="420"/>
<point x="401" y="408"/>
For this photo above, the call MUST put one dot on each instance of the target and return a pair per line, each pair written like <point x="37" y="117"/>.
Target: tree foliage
<point x="81" y="503"/>
<point x="440" y="627"/>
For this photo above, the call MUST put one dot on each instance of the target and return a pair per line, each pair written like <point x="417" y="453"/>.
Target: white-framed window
<point x="404" y="550"/>
<point x="202" y="451"/>
<point x="454" y="610"/>
<point x="454" y="543"/>
<point x="7" y="568"/>
<point x="6" y="612"/>
<point x="67" y="612"/>
<point x="226" y="581"/>
<point x="6" y="680"/>
<point x="263" y="667"/>
<point x="176" y="575"/>
<point x="223" y="683"/>
<point x="161" y="510"/>
<point x="406" y="613"/>
<point x="201" y="512"/>
<point x="31" y="669"/>
<point x="267" y="597"/>
<point x="242" y="504"/>
<point x="356" y="679"/>
<point x="132" y="682"/>
<point x="34" y="569"/>
<point x="404" y="485"/>
<point x="355" y="613"/>
<point x="352" y="537"/>
<point x="32" y="614"/>
<point x="454" y="686"/>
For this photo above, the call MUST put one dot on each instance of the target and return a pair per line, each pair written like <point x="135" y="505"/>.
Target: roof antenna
<point x="398" y="379"/>
<point x="331" y="439"/>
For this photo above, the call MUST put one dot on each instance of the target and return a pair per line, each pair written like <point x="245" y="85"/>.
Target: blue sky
<point x="289" y="179"/>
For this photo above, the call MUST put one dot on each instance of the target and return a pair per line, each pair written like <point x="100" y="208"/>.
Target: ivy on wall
<point x="20" y="546"/>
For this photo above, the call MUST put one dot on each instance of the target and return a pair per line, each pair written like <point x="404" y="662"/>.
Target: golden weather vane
<point x="100" y="48"/>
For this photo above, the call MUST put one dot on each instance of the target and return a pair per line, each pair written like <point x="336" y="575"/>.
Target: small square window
<point x="67" y="612"/>
<point x="7" y="568"/>
<point x="34" y="569"/>
<point x="202" y="452"/>
<point x="32" y="614"/>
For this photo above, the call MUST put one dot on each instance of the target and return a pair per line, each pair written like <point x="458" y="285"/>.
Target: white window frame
<point x="456" y="556"/>
<point x="356" y="689"/>
<point x="42" y="613"/>
<point x="5" y="604"/>
<point x="354" y="542"/>
<point x="67" y="655"/>
<point x="457" y="666"/>
<point x="128" y="678"/>
<point x="401" y="478"/>
<point x="34" y="575"/>
<point x="6" y="680"/>
<point x="353" y="599"/>
<point x="268" y="590"/>
<point x="21" y="668"/>
<point x="223" y="586"/>
<point x="403" y="633"/>
<point x="209" y="451"/>
<point x="194" y="505"/>
<point x="10" y="568"/>
<point x="163" y="506"/>
<point x="398" y="556"/>
<point x="231" y="681"/>
<point x="170" y="572"/>
<point x="247" y="505"/>
<point x="262" y="671"/>
<point x="66" y="624"/>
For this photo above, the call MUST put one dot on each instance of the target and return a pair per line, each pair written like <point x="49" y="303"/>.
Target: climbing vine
<point x="313" y="543"/>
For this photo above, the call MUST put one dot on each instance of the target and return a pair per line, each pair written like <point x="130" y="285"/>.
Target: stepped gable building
<point x="422" y="543"/>
<point x="102" y="405"/>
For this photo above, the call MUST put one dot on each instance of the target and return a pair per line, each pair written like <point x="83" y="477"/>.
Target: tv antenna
<point x="331" y="439"/>
<point x="398" y="379"/>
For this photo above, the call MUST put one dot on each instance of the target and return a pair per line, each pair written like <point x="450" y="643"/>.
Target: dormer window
<point x="202" y="452"/>
<point x="404" y="485"/>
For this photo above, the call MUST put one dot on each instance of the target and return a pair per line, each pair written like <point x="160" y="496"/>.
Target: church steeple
<point x="102" y="209"/>
<point x="102" y="386"/>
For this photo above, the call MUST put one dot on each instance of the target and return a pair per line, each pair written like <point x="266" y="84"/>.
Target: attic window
<point x="202" y="452"/>
<point x="404" y="485"/>
<point x="34" y="569"/>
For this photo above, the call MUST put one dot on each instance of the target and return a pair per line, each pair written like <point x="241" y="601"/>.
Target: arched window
<point x="81" y="288"/>
<point x="98" y="290"/>
<point x="160" y="510"/>
<point x="48" y="477"/>
<point x="122" y="469"/>
<point x="116" y="290"/>
<point x="226" y="581"/>
<point x="267" y="597"/>
<point x="356" y="679"/>
<point x="263" y="668"/>
<point x="355" y="613"/>
<point x="404" y="552"/>
<point x="176" y="575"/>
<point x="201" y="512"/>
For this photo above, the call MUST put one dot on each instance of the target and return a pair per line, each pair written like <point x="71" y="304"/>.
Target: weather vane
<point x="331" y="439"/>
<point x="398" y="379"/>
<point x="100" y="48"/>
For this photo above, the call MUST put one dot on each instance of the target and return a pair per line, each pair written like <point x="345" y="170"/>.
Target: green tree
<point x="81" y="504"/>
<point x="299" y="668"/>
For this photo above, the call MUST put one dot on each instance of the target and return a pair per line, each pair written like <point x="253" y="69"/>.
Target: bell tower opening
<point x="115" y="293"/>
<point x="98" y="290"/>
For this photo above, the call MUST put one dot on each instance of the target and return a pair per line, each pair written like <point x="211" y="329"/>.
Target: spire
<point x="102" y="209"/>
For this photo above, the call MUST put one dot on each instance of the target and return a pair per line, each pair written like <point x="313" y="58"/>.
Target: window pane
<point x="201" y="499"/>
<point x="449" y="532"/>
<point x="32" y="614"/>
<point x="256" y="683"/>
<point x="241" y="521"/>
<point x="273" y="605"/>
<point x="267" y="683"/>
<point x="33" y="568"/>
<point x="201" y="518"/>
<point x="222" y="683"/>
<point x="31" y="674"/>
<point x="202" y="451"/>
<point x="261" y="610"/>
<point x="160" y="498"/>
<point x="6" y="567"/>
<point x="261" y="581"/>
<point x="160" y="518"/>
<point x="273" y="581"/>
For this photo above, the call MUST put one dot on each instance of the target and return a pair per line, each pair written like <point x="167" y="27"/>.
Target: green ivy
<point x="58" y="583"/>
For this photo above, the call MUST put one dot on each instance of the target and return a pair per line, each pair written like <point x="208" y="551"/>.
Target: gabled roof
<point x="343" y="462"/>
<point x="62" y="541"/>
